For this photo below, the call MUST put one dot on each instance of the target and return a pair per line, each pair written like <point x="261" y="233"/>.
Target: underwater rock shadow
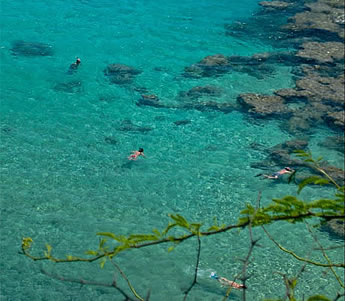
<point x="334" y="228"/>
<point x="74" y="86"/>
<point x="23" y="48"/>
<point x="128" y="126"/>
<point x="120" y="74"/>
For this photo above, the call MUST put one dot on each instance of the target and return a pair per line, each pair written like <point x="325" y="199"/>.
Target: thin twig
<point x="330" y="248"/>
<point x="289" y="283"/>
<point x="338" y="265"/>
<point x="246" y="260"/>
<point x="338" y="296"/>
<point x="127" y="280"/>
<point x="196" y="269"/>
<point x="87" y="282"/>
<point x="325" y="255"/>
<point x="252" y="245"/>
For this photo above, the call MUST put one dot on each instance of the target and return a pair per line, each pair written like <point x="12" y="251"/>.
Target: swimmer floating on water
<point x="227" y="282"/>
<point x="136" y="154"/>
<point x="277" y="174"/>
<point x="73" y="67"/>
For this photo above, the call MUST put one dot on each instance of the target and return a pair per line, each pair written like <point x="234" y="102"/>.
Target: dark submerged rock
<point x="274" y="4"/>
<point x="335" y="143"/>
<point x="335" y="227"/>
<point x="182" y="122"/>
<point x="200" y="91"/>
<point x="110" y="140"/>
<point x="263" y="105"/>
<point x="327" y="52"/>
<point x="149" y="100"/>
<point x="161" y="69"/>
<point x="141" y="90"/>
<point x="128" y="126"/>
<point x="322" y="98"/>
<point x="160" y="118"/>
<point x="337" y="174"/>
<point x="211" y="65"/>
<point x="266" y="24"/>
<point x="258" y="65"/>
<point x="24" y="48"/>
<point x="120" y="74"/>
<point x="291" y="145"/>
<point x="74" y="86"/>
<point x="279" y="155"/>
<point x="6" y="129"/>
<point x="322" y="19"/>
<point x="293" y="94"/>
<point x="328" y="90"/>
<point x="206" y="106"/>
<point x="199" y="106"/>
<point x="297" y="124"/>
<point x="335" y="119"/>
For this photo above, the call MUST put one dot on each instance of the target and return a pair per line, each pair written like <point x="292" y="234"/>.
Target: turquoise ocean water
<point x="64" y="172"/>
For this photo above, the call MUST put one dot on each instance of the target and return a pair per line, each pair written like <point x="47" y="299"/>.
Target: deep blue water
<point x="64" y="169"/>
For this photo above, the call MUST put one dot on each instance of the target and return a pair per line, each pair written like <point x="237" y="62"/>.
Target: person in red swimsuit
<point x="279" y="173"/>
<point x="136" y="154"/>
<point x="226" y="282"/>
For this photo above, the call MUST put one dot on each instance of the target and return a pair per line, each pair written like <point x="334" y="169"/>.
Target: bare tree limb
<point x="338" y="296"/>
<point x="325" y="255"/>
<point x="87" y="282"/>
<point x="275" y="218"/>
<point x="330" y="248"/>
<point x="246" y="260"/>
<point x="196" y="269"/>
<point x="127" y="280"/>
<point x="338" y="265"/>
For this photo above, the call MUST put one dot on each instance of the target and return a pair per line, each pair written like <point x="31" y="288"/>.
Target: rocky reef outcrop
<point x="120" y="74"/>
<point x="327" y="52"/>
<point x="73" y="86"/>
<point x="201" y="91"/>
<point x="263" y="105"/>
<point x="274" y="4"/>
<point x="211" y="65"/>
<point x="128" y="126"/>
<point x="151" y="100"/>
<point x="24" y="48"/>
<point x="335" y="227"/>
<point x="323" y="18"/>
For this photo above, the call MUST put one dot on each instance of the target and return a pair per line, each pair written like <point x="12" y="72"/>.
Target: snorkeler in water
<point x="227" y="282"/>
<point x="277" y="174"/>
<point x="73" y="67"/>
<point x="136" y="154"/>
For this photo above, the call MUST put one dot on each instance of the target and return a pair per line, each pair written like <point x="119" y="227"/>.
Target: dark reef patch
<point x="151" y="100"/>
<point x="263" y="105"/>
<point x="182" y="122"/>
<point x="335" y="227"/>
<point x="120" y="74"/>
<point x="201" y="91"/>
<point x="24" y="48"/>
<point x="128" y="126"/>
<point x="212" y="65"/>
<point x="74" y="86"/>
<point x="110" y="140"/>
<point x="334" y="143"/>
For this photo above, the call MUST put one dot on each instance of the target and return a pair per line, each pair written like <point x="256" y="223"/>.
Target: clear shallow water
<point x="61" y="182"/>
